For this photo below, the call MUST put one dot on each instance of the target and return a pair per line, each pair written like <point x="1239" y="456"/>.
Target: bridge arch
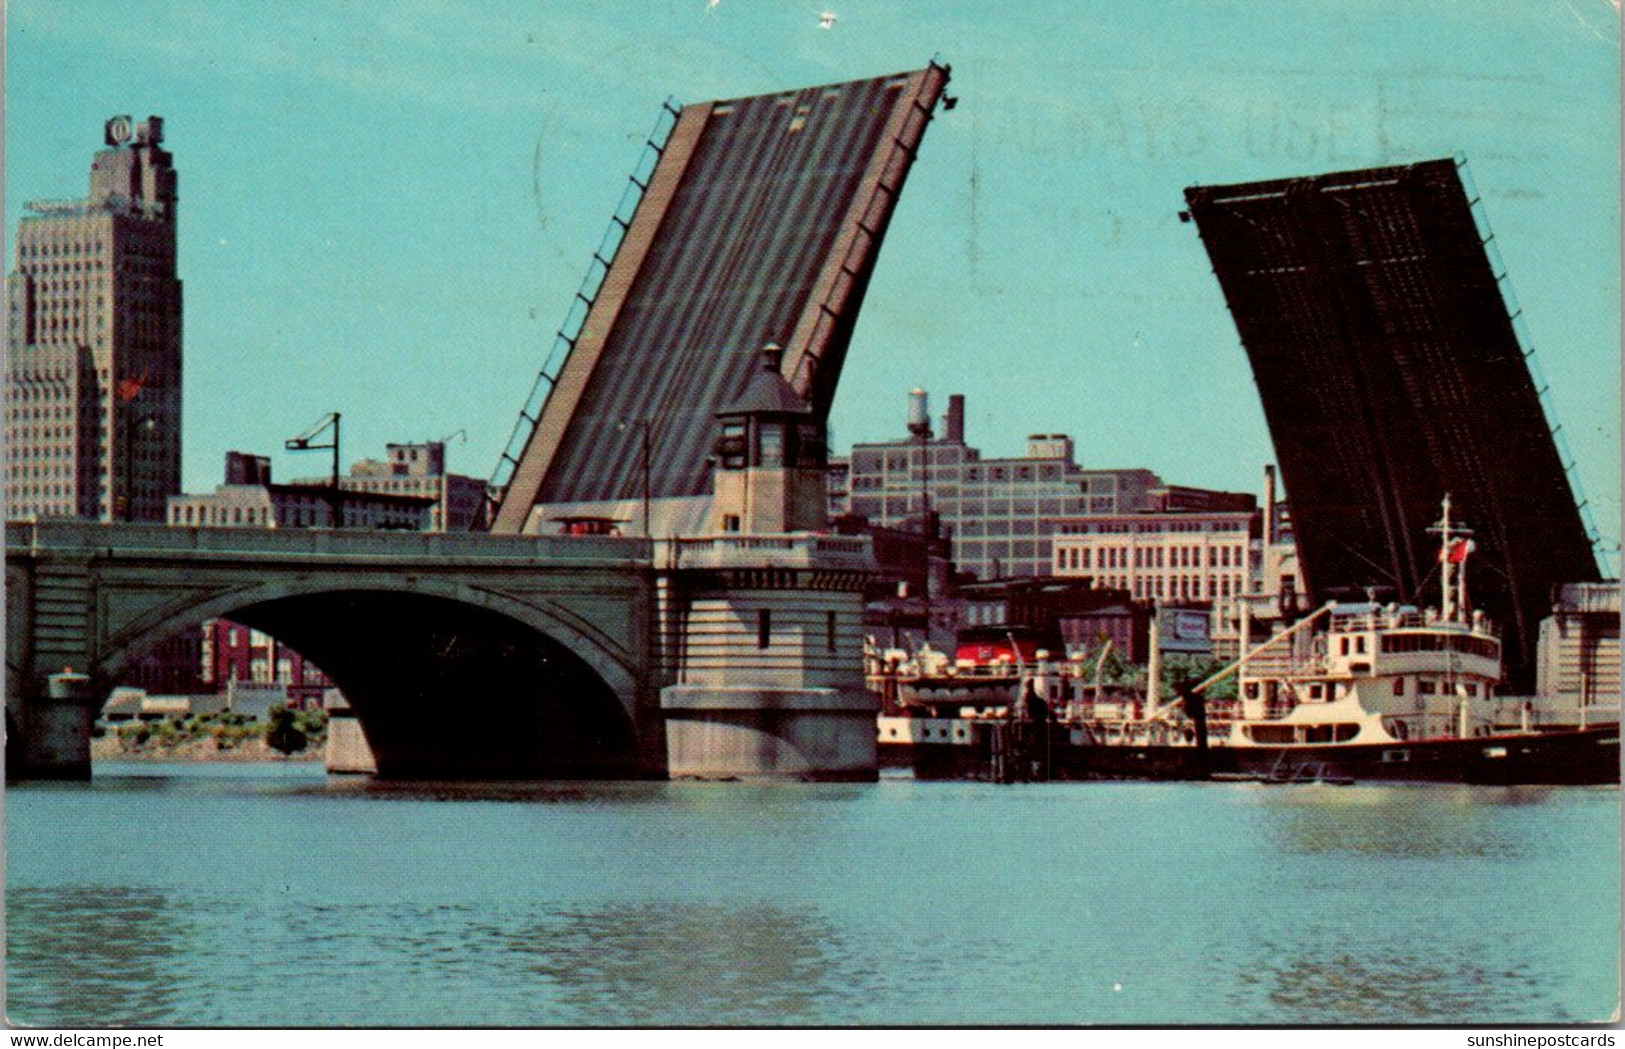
<point x="448" y="677"/>
<point x="583" y="639"/>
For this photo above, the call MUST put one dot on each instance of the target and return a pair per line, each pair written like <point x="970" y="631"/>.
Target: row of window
<point x="47" y="250"/>
<point x="26" y="432"/>
<point x="1077" y="558"/>
<point x="1401" y="643"/>
<point x="1175" y="588"/>
<point x="68" y="324"/>
<point x="1154" y="526"/>
<point x="53" y="490"/>
<point x="47" y="292"/>
<point x="1402" y="686"/>
<point x="1430" y="687"/>
<point x="973" y="509"/>
<point x="28" y="391"/>
<point x="867" y="462"/>
<point x="35" y="471"/>
<point x="195" y="514"/>
<point x="996" y="528"/>
<point x="988" y="477"/>
<point x="868" y="471"/>
<point x="982" y="550"/>
<point x="35" y="449"/>
<point x="296" y="515"/>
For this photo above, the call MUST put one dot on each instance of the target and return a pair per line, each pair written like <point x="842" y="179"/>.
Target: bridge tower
<point x="770" y="458"/>
<point x="768" y="613"/>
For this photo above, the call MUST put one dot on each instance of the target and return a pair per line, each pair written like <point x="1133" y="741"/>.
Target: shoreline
<point x="110" y="748"/>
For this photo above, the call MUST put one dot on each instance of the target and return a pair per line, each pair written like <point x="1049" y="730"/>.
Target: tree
<point x="282" y="734"/>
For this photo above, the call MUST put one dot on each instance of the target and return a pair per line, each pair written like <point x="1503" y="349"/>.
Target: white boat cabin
<point x="1378" y="674"/>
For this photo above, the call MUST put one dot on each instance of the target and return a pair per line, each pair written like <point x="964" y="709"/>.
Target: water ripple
<point x="301" y="901"/>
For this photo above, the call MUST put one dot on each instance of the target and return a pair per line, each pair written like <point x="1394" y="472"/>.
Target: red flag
<point x="1458" y="551"/>
<point x="126" y="389"/>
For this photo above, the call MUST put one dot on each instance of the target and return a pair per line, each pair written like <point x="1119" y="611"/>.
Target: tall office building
<point x="93" y="351"/>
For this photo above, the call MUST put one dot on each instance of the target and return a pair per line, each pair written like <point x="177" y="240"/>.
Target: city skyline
<point x="386" y="213"/>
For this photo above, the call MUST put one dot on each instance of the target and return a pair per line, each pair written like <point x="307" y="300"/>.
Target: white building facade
<point x="1175" y="558"/>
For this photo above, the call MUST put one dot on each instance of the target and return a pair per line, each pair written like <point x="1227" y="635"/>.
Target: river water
<point x="274" y="895"/>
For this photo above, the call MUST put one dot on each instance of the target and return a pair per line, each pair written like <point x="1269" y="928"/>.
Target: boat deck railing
<point x="1405" y="619"/>
<point x="1548" y="712"/>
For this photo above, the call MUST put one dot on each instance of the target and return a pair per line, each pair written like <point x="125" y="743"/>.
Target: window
<point x="764" y="627"/>
<point x="772" y="444"/>
<point x="731" y="445"/>
<point x="829" y="631"/>
<point x="730" y="522"/>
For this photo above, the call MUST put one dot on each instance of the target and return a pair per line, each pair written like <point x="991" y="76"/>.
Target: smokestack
<point x="1269" y="505"/>
<point x="919" y="413"/>
<point x="953" y="424"/>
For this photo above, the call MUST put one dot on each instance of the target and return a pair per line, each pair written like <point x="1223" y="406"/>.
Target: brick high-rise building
<point x="93" y="350"/>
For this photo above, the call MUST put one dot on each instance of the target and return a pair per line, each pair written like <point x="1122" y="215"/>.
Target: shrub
<point x="134" y="735"/>
<point x="313" y="723"/>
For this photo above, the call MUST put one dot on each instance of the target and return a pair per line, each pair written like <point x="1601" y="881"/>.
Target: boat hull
<point x="1576" y="757"/>
<point x="1571" y="757"/>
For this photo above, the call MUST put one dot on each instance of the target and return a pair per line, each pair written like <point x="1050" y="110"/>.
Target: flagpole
<point x="1447" y="570"/>
<point x="1454" y="545"/>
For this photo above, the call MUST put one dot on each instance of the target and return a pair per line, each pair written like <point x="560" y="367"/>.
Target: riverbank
<point x="111" y="748"/>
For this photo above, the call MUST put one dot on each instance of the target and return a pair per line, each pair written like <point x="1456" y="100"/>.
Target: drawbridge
<point x="750" y="221"/>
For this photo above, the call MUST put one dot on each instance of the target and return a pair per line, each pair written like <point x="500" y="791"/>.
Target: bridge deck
<point x="762" y="222"/>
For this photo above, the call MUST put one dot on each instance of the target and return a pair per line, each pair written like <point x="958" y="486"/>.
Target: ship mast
<point x="1455" y="543"/>
<point x="1447" y="569"/>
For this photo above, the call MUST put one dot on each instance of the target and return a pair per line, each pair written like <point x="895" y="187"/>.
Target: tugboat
<point x="1393" y="692"/>
<point x="953" y="719"/>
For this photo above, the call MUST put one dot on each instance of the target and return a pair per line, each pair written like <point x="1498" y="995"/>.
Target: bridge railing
<point x="592" y="282"/>
<point x="133" y="540"/>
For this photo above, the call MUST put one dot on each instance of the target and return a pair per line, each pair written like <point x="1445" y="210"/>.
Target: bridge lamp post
<point x="646" y="424"/>
<point x="305" y="442"/>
